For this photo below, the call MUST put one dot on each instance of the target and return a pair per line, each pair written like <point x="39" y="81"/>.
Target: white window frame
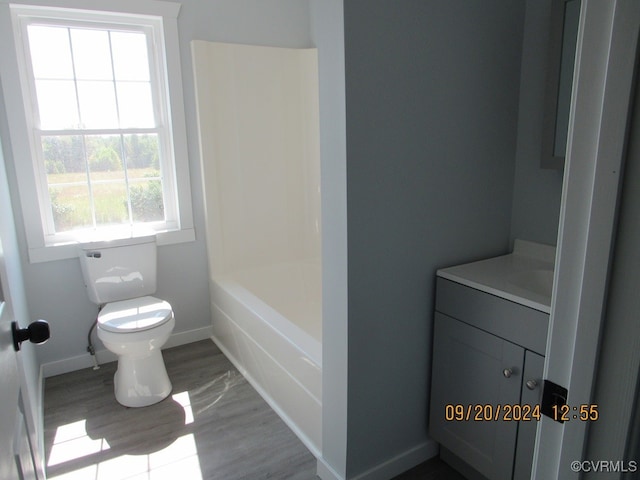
<point x="161" y="17"/>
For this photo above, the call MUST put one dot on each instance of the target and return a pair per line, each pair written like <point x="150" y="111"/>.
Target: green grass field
<point x="71" y="204"/>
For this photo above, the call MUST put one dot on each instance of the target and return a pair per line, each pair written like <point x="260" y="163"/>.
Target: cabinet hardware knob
<point x="507" y="372"/>
<point x="531" y="384"/>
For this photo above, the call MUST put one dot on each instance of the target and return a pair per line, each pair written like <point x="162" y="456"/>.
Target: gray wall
<point x="55" y="289"/>
<point x="432" y="103"/>
<point x="536" y="192"/>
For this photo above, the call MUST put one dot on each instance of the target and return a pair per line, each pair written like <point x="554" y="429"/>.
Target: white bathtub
<point x="268" y="321"/>
<point x="260" y="157"/>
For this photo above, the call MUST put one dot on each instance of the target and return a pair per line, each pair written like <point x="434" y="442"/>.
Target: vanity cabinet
<point x="486" y="374"/>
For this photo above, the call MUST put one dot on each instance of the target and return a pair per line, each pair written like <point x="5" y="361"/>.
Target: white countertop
<point x="524" y="276"/>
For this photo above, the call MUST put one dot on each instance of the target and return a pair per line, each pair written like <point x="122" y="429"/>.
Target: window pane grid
<point x="58" y="97"/>
<point x="100" y="139"/>
<point x="103" y="180"/>
<point x="105" y="71"/>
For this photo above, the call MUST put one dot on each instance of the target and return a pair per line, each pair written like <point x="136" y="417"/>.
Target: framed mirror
<point x="565" y="16"/>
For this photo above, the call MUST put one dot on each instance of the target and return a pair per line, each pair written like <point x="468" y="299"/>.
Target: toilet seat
<point x="134" y="315"/>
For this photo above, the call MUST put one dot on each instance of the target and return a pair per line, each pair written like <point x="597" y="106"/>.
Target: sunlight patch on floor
<point x="73" y="444"/>
<point x="178" y="460"/>
<point x="184" y="399"/>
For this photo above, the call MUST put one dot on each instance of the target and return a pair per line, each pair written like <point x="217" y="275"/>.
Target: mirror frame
<point x="554" y="62"/>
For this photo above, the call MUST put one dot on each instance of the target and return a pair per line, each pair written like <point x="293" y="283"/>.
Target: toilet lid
<point x="134" y="315"/>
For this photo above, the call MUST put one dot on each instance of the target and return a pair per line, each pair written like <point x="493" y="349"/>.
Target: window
<point x="105" y="137"/>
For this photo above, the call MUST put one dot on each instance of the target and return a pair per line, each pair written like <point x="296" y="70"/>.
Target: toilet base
<point x="141" y="381"/>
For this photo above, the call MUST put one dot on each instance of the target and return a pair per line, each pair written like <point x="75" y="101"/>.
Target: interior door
<point x="17" y="443"/>
<point x="603" y="82"/>
<point x="16" y="454"/>
<point x="9" y="391"/>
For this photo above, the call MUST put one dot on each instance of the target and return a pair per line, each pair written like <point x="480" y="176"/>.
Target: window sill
<point x="65" y="251"/>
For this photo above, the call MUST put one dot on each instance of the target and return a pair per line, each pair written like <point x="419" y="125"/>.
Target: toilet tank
<point x="119" y="269"/>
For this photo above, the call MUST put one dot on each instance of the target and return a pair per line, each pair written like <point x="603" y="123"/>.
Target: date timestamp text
<point x="491" y="413"/>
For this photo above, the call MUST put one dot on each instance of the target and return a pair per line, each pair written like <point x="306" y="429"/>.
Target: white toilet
<point x="120" y="275"/>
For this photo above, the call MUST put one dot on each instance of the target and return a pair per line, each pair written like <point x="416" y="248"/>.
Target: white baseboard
<point x="389" y="468"/>
<point x="79" y="362"/>
<point x="325" y="472"/>
<point x="402" y="462"/>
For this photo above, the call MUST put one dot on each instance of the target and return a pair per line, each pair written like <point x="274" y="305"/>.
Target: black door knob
<point x="37" y="332"/>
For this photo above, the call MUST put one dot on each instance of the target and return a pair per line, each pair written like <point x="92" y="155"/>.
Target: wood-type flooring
<point x="214" y="425"/>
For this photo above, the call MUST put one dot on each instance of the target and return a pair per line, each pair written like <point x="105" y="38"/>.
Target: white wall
<point x="55" y="290"/>
<point x="327" y="29"/>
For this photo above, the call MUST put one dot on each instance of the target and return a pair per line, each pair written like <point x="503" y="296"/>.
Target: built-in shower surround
<point x="259" y="143"/>
<point x="258" y="115"/>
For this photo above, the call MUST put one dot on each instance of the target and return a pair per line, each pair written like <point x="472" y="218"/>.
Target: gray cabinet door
<point x="531" y="396"/>
<point x="468" y="369"/>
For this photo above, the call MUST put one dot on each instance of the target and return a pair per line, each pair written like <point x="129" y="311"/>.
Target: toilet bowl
<point x="120" y="275"/>
<point x="135" y="330"/>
